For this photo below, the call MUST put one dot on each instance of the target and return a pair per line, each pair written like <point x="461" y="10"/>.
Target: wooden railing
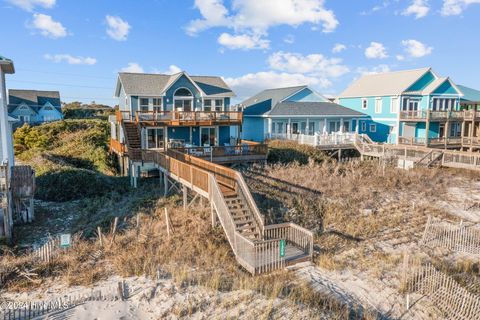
<point x="117" y="146"/>
<point x="256" y="256"/>
<point x="188" y="116"/>
<point x="226" y="151"/>
<point x="437" y="114"/>
<point x="123" y="116"/>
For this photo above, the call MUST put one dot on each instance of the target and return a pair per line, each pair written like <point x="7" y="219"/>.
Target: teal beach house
<point x="412" y="107"/>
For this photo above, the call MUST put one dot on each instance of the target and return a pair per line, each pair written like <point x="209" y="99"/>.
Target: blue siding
<point x="223" y="135"/>
<point x="134" y="104"/>
<point x="253" y="129"/>
<point x="182" y="133"/>
<point x="227" y="104"/>
<point x="446" y="88"/>
<point x="49" y="115"/>
<point x="306" y="95"/>
<point x="259" y="108"/>
<point x="423" y="82"/>
<point x="183" y="82"/>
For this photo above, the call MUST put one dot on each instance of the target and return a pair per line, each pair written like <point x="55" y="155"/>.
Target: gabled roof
<point x="275" y="95"/>
<point x="6" y="65"/>
<point x="384" y="84"/>
<point x="469" y="94"/>
<point x="35" y="99"/>
<point x="149" y="84"/>
<point x="312" y="109"/>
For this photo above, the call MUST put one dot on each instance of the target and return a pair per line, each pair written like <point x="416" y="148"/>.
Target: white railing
<point x="316" y="140"/>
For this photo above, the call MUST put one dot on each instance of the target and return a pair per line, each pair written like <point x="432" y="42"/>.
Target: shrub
<point x="288" y="152"/>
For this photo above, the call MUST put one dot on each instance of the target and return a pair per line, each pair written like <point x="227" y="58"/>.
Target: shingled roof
<point x="312" y="109"/>
<point x="156" y="84"/>
<point x="33" y="98"/>
<point x="384" y="84"/>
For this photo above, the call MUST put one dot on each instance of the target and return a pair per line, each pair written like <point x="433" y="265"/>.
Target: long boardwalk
<point x="259" y="248"/>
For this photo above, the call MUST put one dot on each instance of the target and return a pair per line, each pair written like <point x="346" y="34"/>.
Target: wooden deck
<point x="258" y="254"/>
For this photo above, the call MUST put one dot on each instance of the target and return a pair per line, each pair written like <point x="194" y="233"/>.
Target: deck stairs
<point x="430" y="159"/>
<point x="257" y="247"/>
<point x="132" y="140"/>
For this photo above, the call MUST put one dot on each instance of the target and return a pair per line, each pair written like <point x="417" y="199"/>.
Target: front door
<point x="441" y="131"/>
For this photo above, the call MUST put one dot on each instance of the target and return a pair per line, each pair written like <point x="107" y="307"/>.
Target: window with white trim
<point x="373" y="127"/>
<point x="218" y="104"/>
<point x="157" y="104"/>
<point x="378" y="105"/>
<point x="364" y="104"/>
<point x="207" y="105"/>
<point x="394" y="105"/>
<point x="143" y="104"/>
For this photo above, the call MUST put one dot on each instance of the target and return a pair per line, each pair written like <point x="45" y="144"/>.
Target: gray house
<point x="300" y="110"/>
<point x="34" y="106"/>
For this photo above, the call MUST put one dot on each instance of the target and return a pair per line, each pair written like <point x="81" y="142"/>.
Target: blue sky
<point x="77" y="47"/>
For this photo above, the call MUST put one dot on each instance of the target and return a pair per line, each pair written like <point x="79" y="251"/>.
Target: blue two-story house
<point x="34" y="106"/>
<point x="412" y="106"/>
<point x="292" y="111"/>
<point x="160" y="111"/>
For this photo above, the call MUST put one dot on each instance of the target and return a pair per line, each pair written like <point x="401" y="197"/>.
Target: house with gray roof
<point x="295" y="110"/>
<point x="34" y="106"/>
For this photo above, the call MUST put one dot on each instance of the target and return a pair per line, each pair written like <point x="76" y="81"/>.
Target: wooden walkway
<point x="258" y="248"/>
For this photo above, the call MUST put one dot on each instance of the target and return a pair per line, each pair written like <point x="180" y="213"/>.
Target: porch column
<point x="289" y="132"/>
<point x="357" y="123"/>
<point x="470" y="133"/>
<point x="165" y="184"/>
<point x="342" y="127"/>
<point x="446" y="133"/>
<point x="427" y="128"/>
<point x="308" y="124"/>
<point x="324" y="125"/>
<point x="269" y="127"/>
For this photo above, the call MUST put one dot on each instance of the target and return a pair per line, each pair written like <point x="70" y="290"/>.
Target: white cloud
<point x="29" y="5"/>
<point x="419" y="8"/>
<point x="376" y="50"/>
<point x="172" y="69"/>
<point x="133" y="67"/>
<point x="339" y="48"/>
<point x="70" y="59"/>
<point x="312" y="64"/>
<point x="289" y="38"/>
<point x="117" y="28"/>
<point x="258" y="16"/>
<point x="374" y="70"/>
<point x="416" y="49"/>
<point x="48" y="27"/>
<point x="249" y="84"/>
<point x="243" y="41"/>
<point x="400" y="57"/>
<point x="456" y="7"/>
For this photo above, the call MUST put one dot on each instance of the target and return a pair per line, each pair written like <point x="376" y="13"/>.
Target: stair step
<point x="242" y="222"/>
<point x="246" y="227"/>
<point x="249" y="234"/>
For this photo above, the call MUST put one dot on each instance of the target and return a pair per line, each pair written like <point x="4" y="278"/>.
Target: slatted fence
<point x="450" y="298"/>
<point x="460" y="238"/>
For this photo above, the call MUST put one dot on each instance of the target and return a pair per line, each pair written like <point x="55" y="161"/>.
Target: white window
<point x="378" y="105"/>
<point x="143" y="104"/>
<point x="157" y="104"/>
<point x="364" y="126"/>
<point x="373" y="127"/>
<point x="218" y="104"/>
<point x="394" y="105"/>
<point x="364" y="104"/>
<point x="207" y="105"/>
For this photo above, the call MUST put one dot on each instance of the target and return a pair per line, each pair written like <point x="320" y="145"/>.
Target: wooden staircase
<point x="243" y="217"/>
<point x="132" y="140"/>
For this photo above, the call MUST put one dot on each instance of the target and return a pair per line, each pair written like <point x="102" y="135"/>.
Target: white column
<point x="289" y="129"/>
<point x="5" y="131"/>
<point x="324" y="125"/>
<point x="306" y="129"/>
<point x="342" y="128"/>
<point x="269" y="127"/>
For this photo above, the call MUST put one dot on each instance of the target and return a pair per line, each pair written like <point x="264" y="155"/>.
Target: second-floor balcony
<point x="434" y="115"/>
<point x="180" y="118"/>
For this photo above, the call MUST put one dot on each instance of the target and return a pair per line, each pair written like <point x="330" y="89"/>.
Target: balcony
<point x="424" y="115"/>
<point x="182" y="118"/>
<point x="450" y="142"/>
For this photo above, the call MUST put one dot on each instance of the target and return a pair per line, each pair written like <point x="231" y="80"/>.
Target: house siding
<point x="423" y="82"/>
<point x="306" y="95"/>
<point x="253" y="129"/>
<point x="183" y="82"/>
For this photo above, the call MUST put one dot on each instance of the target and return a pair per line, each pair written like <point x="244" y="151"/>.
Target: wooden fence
<point x="460" y="238"/>
<point x="23" y="310"/>
<point x="451" y="299"/>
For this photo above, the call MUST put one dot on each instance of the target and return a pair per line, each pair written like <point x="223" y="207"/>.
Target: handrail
<point x="250" y="201"/>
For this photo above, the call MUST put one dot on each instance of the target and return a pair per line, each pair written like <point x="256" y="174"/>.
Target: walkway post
<point x="185" y="197"/>
<point x="165" y="184"/>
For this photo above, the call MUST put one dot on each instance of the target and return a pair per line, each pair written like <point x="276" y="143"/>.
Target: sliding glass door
<point x="155" y="138"/>
<point x="208" y="136"/>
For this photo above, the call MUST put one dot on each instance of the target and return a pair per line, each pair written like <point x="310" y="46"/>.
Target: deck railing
<point x="117" y="146"/>
<point x="256" y="256"/>
<point x="188" y="116"/>
<point x="330" y="139"/>
<point x="225" y="151"/>
<point x="437" y="114"/>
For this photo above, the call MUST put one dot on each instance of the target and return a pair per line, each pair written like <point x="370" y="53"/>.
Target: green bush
<point x="288" y="152"/>
<point x="71" y="184"/>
